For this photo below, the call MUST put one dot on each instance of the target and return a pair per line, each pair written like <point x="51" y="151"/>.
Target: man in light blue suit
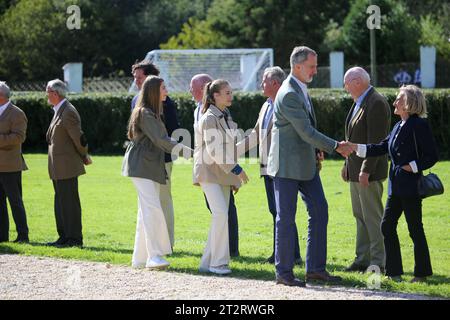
<point x="293" y="162"/>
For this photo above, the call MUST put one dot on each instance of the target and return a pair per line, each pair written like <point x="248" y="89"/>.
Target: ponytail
<point x="207" y="99"/>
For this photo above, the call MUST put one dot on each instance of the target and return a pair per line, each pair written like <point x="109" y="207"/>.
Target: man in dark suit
<point x="67" y="155"/>
<point x="13" y="127"/>
<point x="141" y="70"/>
<point x="368" y="121"/>
<point x="293" y="164"/>
<point x="197" y="85"/>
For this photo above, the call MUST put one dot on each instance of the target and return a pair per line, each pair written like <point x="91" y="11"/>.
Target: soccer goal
<point x="243" y="68"/>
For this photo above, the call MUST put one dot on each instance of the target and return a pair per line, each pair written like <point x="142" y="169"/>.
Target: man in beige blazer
<point x="261" y="134"/>
<point x="13" y="127"/>
<point x="368" y="121"/>
<point x="67" y="155"/>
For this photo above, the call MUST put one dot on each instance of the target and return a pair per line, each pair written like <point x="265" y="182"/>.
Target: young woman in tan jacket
<point x="216" y="170"/>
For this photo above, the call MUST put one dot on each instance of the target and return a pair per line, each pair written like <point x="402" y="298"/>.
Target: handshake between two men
<point x="346" y="148"/>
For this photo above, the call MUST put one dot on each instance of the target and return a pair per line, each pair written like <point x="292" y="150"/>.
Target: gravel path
<point x="24" y="277"/>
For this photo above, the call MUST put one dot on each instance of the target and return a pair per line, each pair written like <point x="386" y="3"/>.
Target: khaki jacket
<point x="67" y="146"/>
<point x="370" y="124"/>
<point x="13" y="127"/>
<point x="215" y="153"/>
<point x="258" y="136"/>
<point x="144" y="157"/>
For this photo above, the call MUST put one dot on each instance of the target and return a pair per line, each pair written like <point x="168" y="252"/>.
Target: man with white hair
<point x="67" y="156"/>
<point x="13" y="127"/>
<point x="368" y="121"/>
<point x="197" y="86"/>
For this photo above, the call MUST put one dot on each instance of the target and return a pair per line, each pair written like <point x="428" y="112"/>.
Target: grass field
<point x="109" y="205"/>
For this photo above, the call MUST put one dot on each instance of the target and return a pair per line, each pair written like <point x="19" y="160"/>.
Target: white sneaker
<point x="220" y="269"/>
<point x="157" y="262"/>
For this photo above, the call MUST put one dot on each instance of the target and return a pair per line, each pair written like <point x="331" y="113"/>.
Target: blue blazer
<point x="402" y="151"/>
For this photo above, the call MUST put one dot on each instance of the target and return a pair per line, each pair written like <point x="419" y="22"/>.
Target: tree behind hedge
<point x="260" y="24"/>
<point x="35" y="42"/>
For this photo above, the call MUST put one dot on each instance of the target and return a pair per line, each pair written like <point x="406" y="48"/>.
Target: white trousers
<point x="165" y="197"/>
<point x="217" y="251"/>
<point x="152" y="238"/>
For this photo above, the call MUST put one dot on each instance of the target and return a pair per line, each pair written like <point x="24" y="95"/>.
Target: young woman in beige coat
<point x="216" y="170"/>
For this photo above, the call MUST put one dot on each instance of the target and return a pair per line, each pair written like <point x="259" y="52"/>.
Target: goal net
<point x="243" y="68"/>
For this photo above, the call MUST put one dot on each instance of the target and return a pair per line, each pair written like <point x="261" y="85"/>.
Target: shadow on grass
<point x="5" y="249"/>
<point x="434" y="280"/>
<point x="438" y="279"/>
<point x="87" y="248"/>
<point x="99" y="249"/>
<point x="181" y="254"/>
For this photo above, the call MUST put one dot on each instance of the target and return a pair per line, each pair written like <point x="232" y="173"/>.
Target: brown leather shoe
<point x="324" y="276"/>
<point x="294" y="282"/>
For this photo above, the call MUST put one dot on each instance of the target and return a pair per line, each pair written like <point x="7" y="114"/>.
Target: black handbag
<point x="429" y="185"/>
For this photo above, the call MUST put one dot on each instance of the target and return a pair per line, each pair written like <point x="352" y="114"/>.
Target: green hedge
<point x="104" y="116"/>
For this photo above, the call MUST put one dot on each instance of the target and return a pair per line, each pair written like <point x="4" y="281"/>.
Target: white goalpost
<point x="243" y="68"/>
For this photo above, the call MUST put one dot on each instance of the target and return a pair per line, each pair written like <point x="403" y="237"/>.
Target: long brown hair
<point x="209" y="90"/>
<point x="149" y="98"/>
